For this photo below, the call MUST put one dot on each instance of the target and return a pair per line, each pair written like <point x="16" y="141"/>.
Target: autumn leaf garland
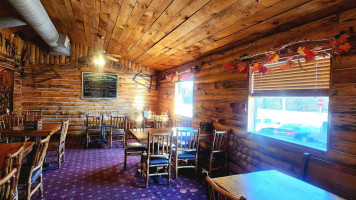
<point x="339" y="45"/>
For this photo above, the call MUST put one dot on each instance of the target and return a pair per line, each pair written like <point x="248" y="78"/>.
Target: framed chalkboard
<point x="99" y="85"/>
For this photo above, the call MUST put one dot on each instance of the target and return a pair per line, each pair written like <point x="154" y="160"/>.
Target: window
<point x="291" y="105"/>
<point x="183" y="99"/>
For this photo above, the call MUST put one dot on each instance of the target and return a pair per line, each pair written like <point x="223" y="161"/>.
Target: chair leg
<point x="196" y="168"/>
<point x="59" y="159"/>
<point x="41" y="186"/>
<point x="110" y="141"/>
<point x="125" y="159"/>
<point x="169" y="174"/>
<point x="28" y="191"/>
<point x="87" y="141"/>
<point x="63" y="154"/>
<point x="176" y="168"/>
<point x="147" y="175"/>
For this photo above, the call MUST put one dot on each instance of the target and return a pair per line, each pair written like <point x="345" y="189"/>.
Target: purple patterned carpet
<point x="97" y="173"/>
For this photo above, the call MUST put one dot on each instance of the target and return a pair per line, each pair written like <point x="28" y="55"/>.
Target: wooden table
<point x="9" y="148"/>
<point x="272" y="185"/>
<point x="47" y="129"/>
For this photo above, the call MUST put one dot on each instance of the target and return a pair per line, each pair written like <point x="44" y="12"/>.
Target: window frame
<point x="174" y="107"/>
<point x="290" y="93"/>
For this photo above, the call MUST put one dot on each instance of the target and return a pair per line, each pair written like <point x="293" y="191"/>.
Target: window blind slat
<point x="315" y="77"/>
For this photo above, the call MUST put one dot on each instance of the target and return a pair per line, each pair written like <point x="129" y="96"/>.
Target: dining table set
<point x="24" y="147"/>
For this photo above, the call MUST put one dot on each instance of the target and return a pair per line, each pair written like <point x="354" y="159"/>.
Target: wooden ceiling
<point x="166" y="33"/>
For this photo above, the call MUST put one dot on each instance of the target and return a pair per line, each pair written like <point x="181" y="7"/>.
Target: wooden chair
<point x="59" y="146"/>
<point x="33" y="171"/>
<point x="2" y="127"/>
<point x="161" y="121"/>
<point x="216" y="158"/>
<point x="132" y="148"/>
<point x="117" y="129"/>
<point x="158" y="155"/>
<point x="214" y="192"/>
<point x="11" y="162"/>
<point x="94" y="128"/>
<point x="15" y="121"/>
<point x="182" y="123"/>
<point x="8" y="185"/>
<point x="34" y="113"/>
<point x="186" y="150"/>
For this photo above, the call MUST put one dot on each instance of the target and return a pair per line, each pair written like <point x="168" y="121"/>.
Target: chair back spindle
<point x="40" y="153"/>
<point x="64" y="130"/>
<point x="8" y="185"/>
<point x="94" y="122"/>
<point x="159" y="144"/>
<point x="219" y="141"/>
<point x="187" y="140"/>
<point x="182" y="123"/>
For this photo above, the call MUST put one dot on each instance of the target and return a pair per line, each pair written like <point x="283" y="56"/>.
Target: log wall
<point x="219" y="93"/>
<point x="60" y="98"/>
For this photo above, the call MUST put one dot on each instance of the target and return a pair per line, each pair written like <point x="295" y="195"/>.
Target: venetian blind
<point x="312" y="81"/>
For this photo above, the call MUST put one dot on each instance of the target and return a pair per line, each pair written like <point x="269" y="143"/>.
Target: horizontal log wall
<point x="60" y="98"/>
<point x="219" y="93"/>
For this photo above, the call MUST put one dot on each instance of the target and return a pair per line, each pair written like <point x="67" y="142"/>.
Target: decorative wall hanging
<point x="143" y="79"/>
<point x="42" y="71"/>
<point x="338" y="45"/>
<point x="184" y="75"/>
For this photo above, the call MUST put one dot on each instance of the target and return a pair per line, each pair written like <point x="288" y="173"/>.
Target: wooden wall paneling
<point x="60" y="98"/>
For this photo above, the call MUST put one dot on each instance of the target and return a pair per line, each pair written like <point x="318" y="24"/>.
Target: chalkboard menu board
<point x="99" y="85"/>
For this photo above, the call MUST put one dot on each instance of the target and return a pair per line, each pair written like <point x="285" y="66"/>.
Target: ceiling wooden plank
<point x="96" y="22"/>
<point x="79" y="21"/>
<point x="104" y="17"/>
<point x="150" y="16"/>
<point x="281" y="22"/>
<point x="251" y="28"/>
<point x="255" y="17"/>
<point x="136" y="14"/>
<point x="121" y="23"/>
<point x="66" y="20"/>
<point x="77" y="33"/>
<point x="175" y="14"/>
<point x="89" y="30"/>
<point x="115" y="9"/>
<point x="208" y="26"/>
<point x="226" y="18"/>
<point x="202" y="15"/>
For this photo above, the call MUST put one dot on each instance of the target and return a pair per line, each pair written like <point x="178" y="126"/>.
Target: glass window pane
<point x="183" y="99"/>
<point x="300" y="120"/>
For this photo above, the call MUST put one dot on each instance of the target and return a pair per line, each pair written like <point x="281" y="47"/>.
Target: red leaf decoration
<point x="309" y="55"/>
<point x="229" y="66"/>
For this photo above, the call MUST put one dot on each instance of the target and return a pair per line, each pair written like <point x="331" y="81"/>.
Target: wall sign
<point x="99" y="85"/>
